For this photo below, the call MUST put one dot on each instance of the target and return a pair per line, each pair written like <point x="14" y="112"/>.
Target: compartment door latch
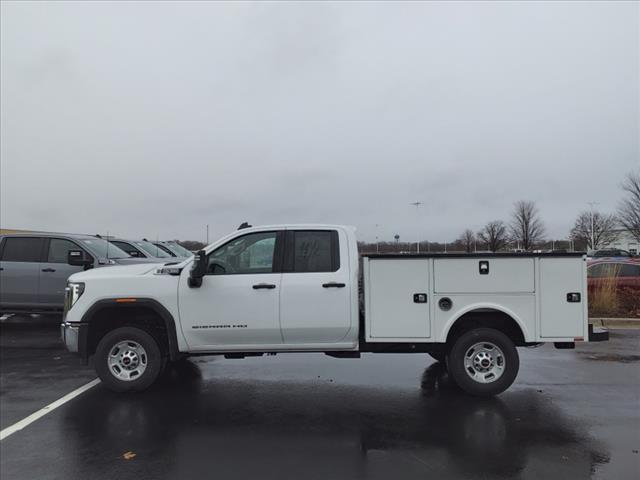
<point x="419" y="298"/>
<point x="483" y="267"/>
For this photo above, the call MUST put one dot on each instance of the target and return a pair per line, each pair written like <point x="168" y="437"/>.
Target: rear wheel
<point x="128" y="359"/>
<point x="483" y="362"/>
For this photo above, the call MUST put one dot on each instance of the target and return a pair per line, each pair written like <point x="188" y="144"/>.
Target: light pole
<point x="417" y="205"/>
<point x="377" y="240"/>
<point x="593" y="235"/>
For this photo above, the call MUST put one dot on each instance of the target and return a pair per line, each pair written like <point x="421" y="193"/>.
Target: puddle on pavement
<point x="610" y="357"/>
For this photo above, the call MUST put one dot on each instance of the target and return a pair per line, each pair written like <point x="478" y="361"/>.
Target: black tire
<point x="152" y="359"/>
<point x="508" y="359"/>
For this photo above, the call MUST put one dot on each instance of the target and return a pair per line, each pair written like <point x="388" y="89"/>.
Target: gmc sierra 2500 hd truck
<point x="295" y="288"/>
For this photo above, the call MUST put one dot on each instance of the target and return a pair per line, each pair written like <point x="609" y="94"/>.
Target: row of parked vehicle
<point x="34" y="267"/>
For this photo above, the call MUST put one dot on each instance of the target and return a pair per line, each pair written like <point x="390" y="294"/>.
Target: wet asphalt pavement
<point x="570" y="414"/>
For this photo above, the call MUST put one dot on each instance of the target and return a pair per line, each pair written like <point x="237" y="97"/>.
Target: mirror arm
<point x="198" y="269"/>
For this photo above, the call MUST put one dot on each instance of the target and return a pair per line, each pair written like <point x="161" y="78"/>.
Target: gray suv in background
<point x="142" y="249"/>
<point x="174" y="249"/>
<point x="34" y="267"/>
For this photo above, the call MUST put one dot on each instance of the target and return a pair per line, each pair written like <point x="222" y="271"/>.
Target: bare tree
<point x="629" y="210"/>
<point x="595" y="229"/>
<point x="467" y="240"/>
<point x="494" y="234"/>
<point x="526" y="226"/>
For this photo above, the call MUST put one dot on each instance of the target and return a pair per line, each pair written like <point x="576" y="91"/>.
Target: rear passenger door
<point x="54" y="271"/>
<point x="20" y="270"/>
<point x="316" y="289"/>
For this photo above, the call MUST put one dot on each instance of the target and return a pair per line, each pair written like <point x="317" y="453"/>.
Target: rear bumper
<point x="598" y="335"/>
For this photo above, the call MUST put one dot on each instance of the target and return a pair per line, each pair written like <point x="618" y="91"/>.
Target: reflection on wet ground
<point x="610" y="357"/>
<point x="308" y="416"/>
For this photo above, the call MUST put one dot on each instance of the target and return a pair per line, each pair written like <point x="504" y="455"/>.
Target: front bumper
<point x="70" y="334"/>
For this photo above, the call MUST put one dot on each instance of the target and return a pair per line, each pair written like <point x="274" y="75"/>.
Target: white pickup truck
<point x="295" y="288"/>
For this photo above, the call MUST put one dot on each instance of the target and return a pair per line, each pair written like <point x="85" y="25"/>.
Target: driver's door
<point x="238" y="302"/>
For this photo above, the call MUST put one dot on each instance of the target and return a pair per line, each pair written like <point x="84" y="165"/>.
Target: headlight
<point x="72" y="293"/>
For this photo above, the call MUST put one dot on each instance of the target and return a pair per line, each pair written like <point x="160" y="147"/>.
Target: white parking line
<point x="49" y="408"/>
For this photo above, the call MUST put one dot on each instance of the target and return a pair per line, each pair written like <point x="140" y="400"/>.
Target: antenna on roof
<point x="244" y="225"/>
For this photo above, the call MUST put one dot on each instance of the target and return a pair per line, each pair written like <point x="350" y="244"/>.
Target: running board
<point x="343" y="354"/>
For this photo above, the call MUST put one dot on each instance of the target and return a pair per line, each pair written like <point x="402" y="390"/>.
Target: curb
<point x="614" y="323"/>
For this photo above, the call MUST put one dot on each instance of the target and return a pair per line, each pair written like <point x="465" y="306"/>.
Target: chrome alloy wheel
<point x="484" y="362"/>
<point x="127" y="360"/>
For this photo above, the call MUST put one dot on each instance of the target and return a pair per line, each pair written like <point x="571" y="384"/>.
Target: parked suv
<point x="141" y="249"/>
<point x="174" y="249"/>
<point x="34" y="267"/>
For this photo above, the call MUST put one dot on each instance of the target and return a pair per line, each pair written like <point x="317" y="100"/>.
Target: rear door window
<point x="18" y="249"/>
<point x="313" y="251"/>
<point x="628" y="270"/>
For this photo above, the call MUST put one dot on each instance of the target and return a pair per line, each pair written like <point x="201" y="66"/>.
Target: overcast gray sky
<point x="147" y="119"/>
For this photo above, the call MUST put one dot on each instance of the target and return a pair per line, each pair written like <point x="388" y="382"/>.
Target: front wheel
<point x="128" y="359"/>
<point x="483" y="362"/>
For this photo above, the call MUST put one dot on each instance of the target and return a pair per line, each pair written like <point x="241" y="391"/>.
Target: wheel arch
<point x="486" y="315"/>
<point x="145" y="311"/>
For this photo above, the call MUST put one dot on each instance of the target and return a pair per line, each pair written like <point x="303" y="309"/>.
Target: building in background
<point x="624" y="241"/>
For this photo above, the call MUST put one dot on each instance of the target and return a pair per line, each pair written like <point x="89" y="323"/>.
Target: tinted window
<point x="128" y="248"/>
<point x="251" y="253"/>
<point x="179" y="249"/>
<point x="315" y="251"/>
<point x="21" y="249"/>
<point x="151" y="249"/>
<point x="630" y="270"/>
<point x="165" y="249"/>
<point x="103" y="249"/>
<point x="604" y="270"/>
<point x="58" y="250"/>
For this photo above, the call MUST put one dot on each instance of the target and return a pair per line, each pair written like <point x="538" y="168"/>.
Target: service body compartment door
<point x="397" y="299"/>
<point x="561" y="316"/>
<point x="484" y="275"/>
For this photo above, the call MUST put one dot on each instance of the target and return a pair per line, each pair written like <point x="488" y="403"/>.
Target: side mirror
<point x="134" y="253"/>
<point x="79" y="258"/>
<point x="198" y="269"/>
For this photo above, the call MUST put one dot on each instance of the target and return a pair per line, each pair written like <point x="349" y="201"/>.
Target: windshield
<point x="103" y="249"/>
<point x="178" y="249"/>
<point x="151" y="249"/>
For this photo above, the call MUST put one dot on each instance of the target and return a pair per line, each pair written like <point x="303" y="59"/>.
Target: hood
<point x="138" y="260"/>
<point x="115" y="272"/>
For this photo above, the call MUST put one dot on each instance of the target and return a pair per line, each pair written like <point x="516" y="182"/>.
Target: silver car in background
<point x="142" y="249"/>
<point x="34" y="267"/>
<point x="174" y="249"/>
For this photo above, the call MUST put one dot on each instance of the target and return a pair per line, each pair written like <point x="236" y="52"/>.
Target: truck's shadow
<point x="243" y="428"/>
